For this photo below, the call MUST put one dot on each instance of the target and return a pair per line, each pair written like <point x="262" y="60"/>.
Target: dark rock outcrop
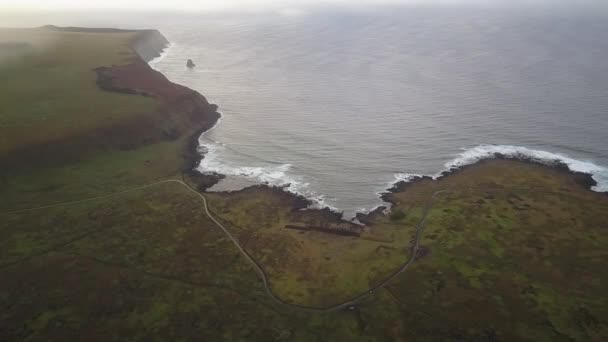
<point x="181" y="109"/>
<point x="369" y="218"/>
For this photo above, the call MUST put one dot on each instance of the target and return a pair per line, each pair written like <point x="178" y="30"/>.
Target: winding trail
<point x="350" y="303"/>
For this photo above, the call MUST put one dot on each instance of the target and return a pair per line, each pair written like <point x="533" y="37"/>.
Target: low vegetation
<point x="510" y="250"/>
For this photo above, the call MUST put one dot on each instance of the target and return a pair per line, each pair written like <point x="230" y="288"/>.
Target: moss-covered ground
<point x="509" y="250"/>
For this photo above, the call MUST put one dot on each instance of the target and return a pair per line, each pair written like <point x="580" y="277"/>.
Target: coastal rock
<point x="190" y="64"/>
<point x="369" y="218"/>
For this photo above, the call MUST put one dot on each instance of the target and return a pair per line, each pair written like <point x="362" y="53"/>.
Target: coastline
<point x="585" y="180"/>
<point x="149" y="45"/>
<point x="205" y="180"/>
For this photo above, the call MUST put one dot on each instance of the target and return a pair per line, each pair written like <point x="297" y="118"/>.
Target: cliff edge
<point x="146" y="108"/>
<point x="149" y="44"/>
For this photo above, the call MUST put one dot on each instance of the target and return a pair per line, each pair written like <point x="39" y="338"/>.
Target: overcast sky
<point x="193" y="4"/>
<point x="243" y="5"/>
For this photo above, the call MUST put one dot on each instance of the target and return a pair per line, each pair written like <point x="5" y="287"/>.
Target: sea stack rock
<point x="190" y="64"/>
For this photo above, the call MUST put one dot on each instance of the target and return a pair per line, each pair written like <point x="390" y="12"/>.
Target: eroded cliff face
<point x="183" y="112"/>
<point x="149" y="44"/>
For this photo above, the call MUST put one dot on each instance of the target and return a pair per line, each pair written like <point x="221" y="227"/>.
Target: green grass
<point x="518" y="257"/>
<point x="151" y="267"/>
<point x="518" y="263"/>
<point x="310" y="268"/>
<point x="52" y="91"/>
<point x="52" y="96"/>
<point x="97" y="175"/>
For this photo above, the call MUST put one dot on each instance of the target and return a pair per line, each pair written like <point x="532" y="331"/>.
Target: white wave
<point x="405" y="177"/>
<point x="273" y="175"/>
<point x="279" y="175"/>
<point x="369" y="210"/>
<point x="481" y="152"/>
<point x="162" y="56"/>
<point x="398" y="177"/>
<point x="473" y="155"/>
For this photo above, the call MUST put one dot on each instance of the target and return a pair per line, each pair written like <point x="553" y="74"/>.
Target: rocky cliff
<point x="149" y="44"/>
<point x="183" y="111"/>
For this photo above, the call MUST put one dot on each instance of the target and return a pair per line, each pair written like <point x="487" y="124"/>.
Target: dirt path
<point x="351" y="303"/>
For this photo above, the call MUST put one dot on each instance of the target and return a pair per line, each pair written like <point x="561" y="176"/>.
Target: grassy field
<point x="147" y="265"/>
<point x="509" y="250"/>
<point x="519" y="263"/>
<point x="51" y="113"/>
<point x="52" y="91"/>
<point x="522" y="254"/>
<point x="312" y="268"/>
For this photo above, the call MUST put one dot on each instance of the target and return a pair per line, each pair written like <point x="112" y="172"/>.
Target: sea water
<point x="339" y="104"/>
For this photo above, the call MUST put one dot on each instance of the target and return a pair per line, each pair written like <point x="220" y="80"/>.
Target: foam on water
<point x="481" y="152"/>
<point x="347" y="98"/>
<point x="278" y="175"/>
<point x="404" y="177"/>
<point x="286" y="125"/>
<point x="162" y="56"/>
<point x="273" y="175"/>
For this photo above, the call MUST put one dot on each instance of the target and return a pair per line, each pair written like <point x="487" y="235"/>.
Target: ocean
<point x="339" y="104"/>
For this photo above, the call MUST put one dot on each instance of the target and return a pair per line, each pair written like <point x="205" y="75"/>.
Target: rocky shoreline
<point x="584" y="179"/>
<point x="139" y="78"/>
<point x="150" y="44"/>
<point x="207" y="180"/>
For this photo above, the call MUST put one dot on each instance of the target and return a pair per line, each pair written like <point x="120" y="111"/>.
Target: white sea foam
<point x="404" y="177"/>
<point x="273" y="175"/>
<point x="398" y="177"/>
<point x="260" y="85"/>
<point x="475" y="154"/>
<point x="162" y="56"/>
<point x="279" y="175"/>
<point x="369" y="210"/>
